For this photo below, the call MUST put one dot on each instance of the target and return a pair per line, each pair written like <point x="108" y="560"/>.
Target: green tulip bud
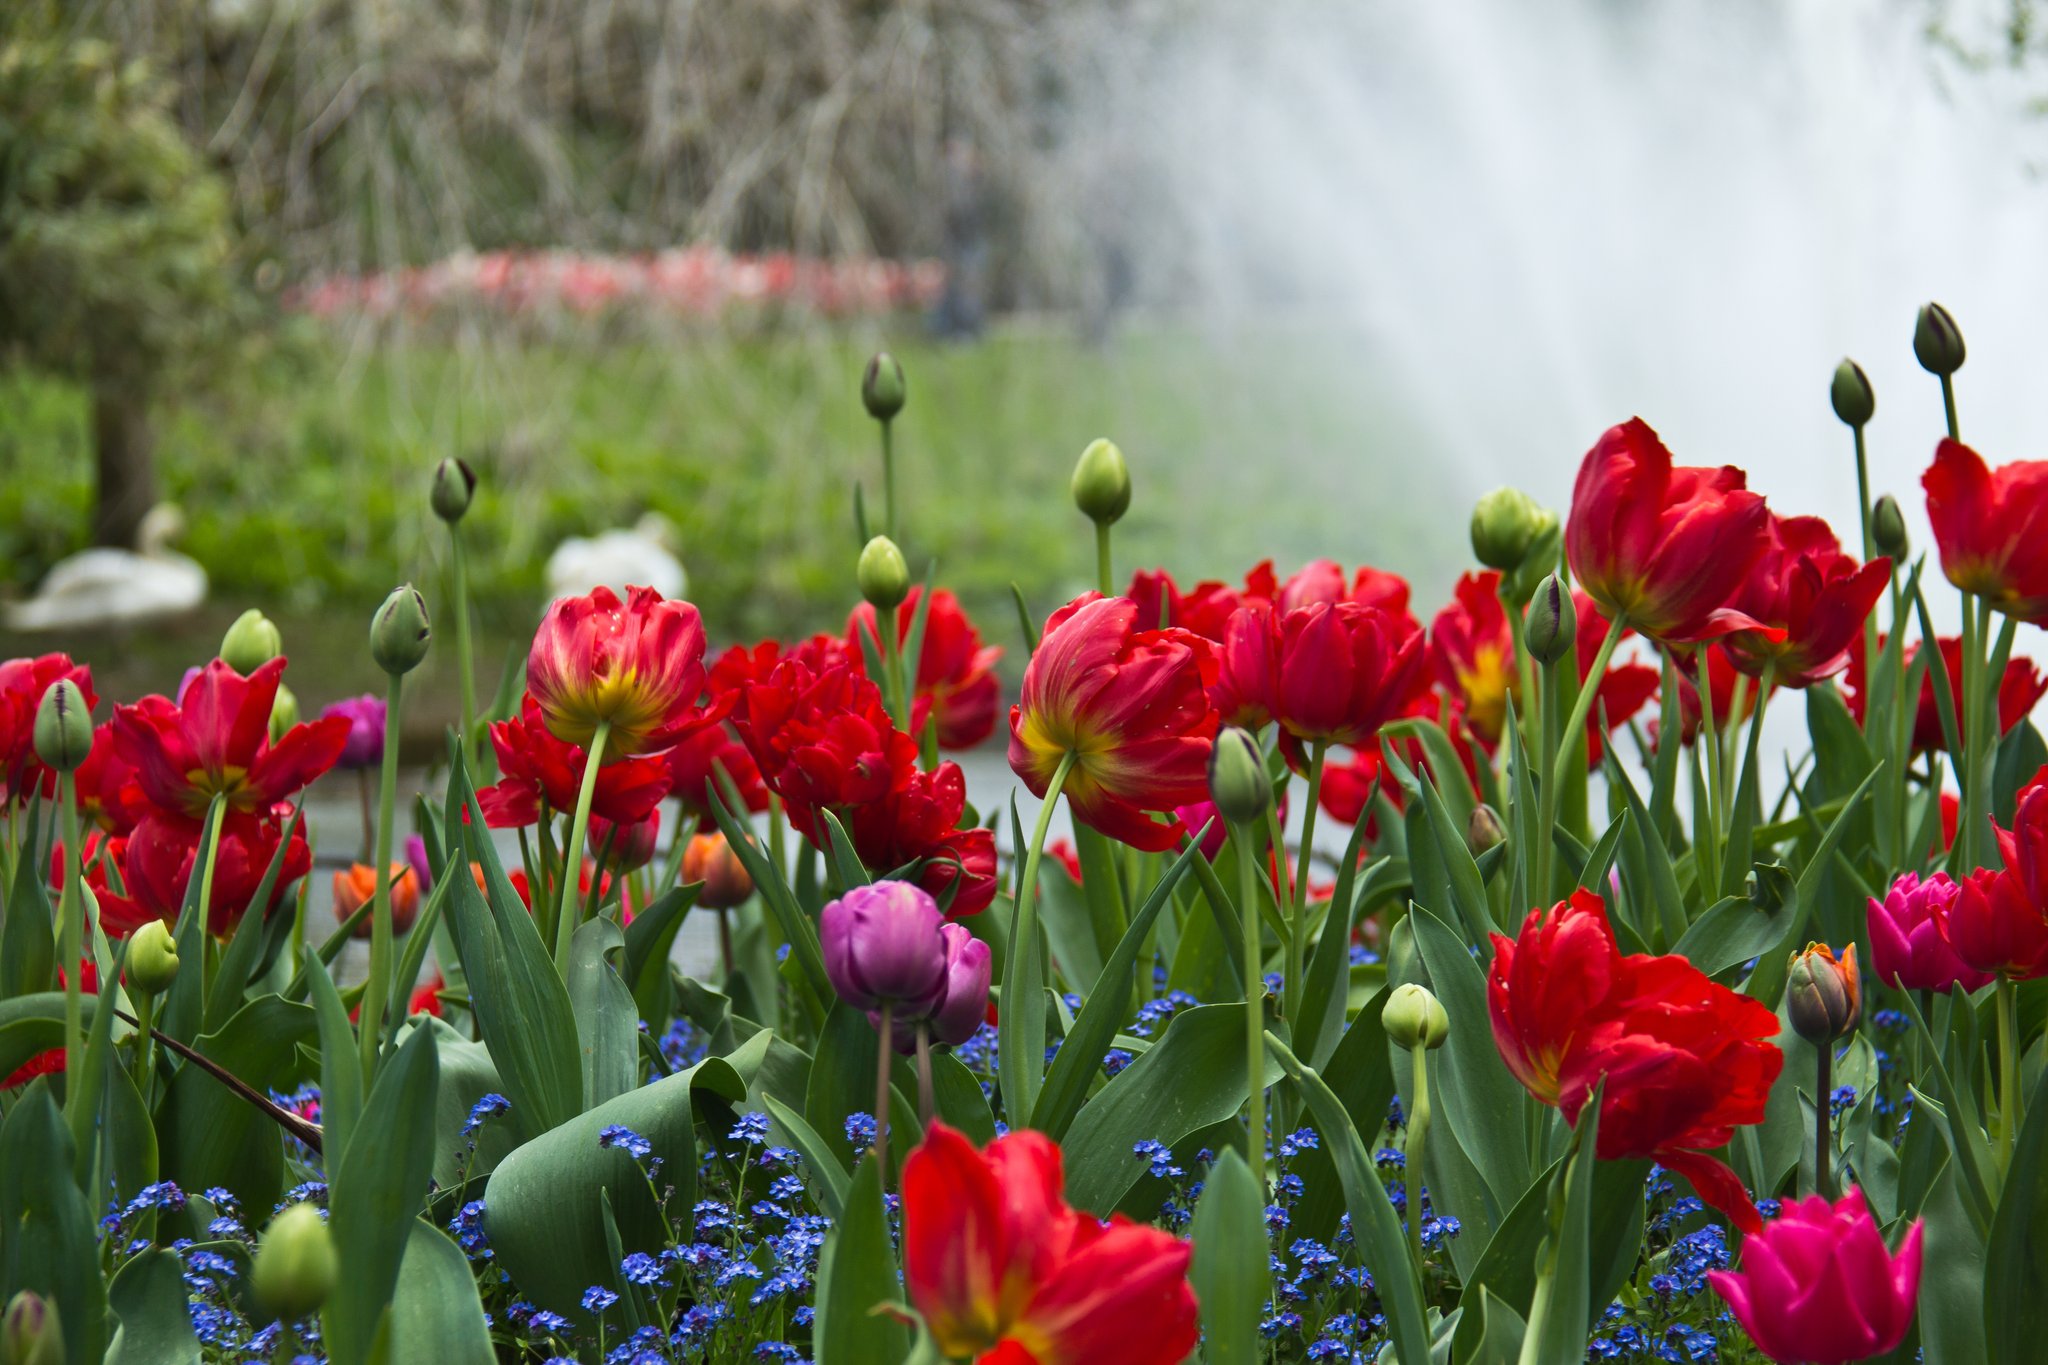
<point x="1823" y="994"/>
<point x="251" y="642"/>
<point x="1937" y="341"/>
<point x="882" y="390"/>
<point x="454" y="486"/>
<point x="296" y="1266"/>
<point x="30" y="1333"/>
<point x="63" y="727"/>
<point x="1102" y="483"/>
<point x="1851" y="395"/>
<point x="152" y="958"/>
<point x="1484" y="829"/>
<point x="284" y="712"/>
<point x="1505" y="523"/>
<point x="399" y="632"/>
<point x="1888" y="528"/>
<point x="1414" y="1016"/>
<point x="884" y="577"/>
<point x="1553" y="622"/>
<point x="1238" y="784"/>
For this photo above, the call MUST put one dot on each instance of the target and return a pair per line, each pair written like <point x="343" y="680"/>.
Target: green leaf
<point x="1733" y="931"/>
<point x="148" y="1296"/>
<point x="1498" y="1331"/>
<point x="212" y="1136"/>
<point x="846" y="865"/>
<point x="2016" y="1260"/>
<point x="436" y="1315"/>
<point x="824" y="1163"/>
<point x="1484" y="1106"/>
<point x="245" y="950"/>
<point x="607" y="1020"/>
<point x="842" y="1082"/>
<point x="28" y="940"/>
<point x="1767" y="983"/>
<point x="544" y="1203"/>
<point x="650" y="938"/>
<point x="1953" y="1280"/>
<point x="1360" y="1074"/>
<point x="798" y="929"/>
<point x="1063" y="911"/>
<point x="376" y="1190"/>
<point x="1194" y="1076"/>
<point x="856" y="1271"/>
<point x="1231" y="1272"/>
<point x="47" y="1239"/>
<point x="957" y="1096"/>
<point x="1561" y="1333"/>
<point x="341" y="1073"/>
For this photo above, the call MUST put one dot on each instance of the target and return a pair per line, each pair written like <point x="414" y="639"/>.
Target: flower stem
<point x="882" y="1092"/>
<point x="1418" y="1137"/>
<point x="1571" y="743"/>
<point x="1103" y="577"/>
<point x="1254" y="1002"/>
<point x="924" y="1071"/>
<point x="2008" y="1070"/>
<point x="1970" y="720"/>
<point x="572" y="852"/>
<point x="71" y="916"/>
<point x="1709" y="743"/>
<point x="1297" y="947"/>
<point x="1021" y="1062"/>
<point x="1824" y="1121"/>
<point x="888" y="479"/>
<point x="459" y="563"/>
<point x="1948" y="405"/>
<point x="216" y="813"/>
<point x="377" y="989"/>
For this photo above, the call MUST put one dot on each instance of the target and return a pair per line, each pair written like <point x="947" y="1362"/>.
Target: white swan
<point x="111" y="587"/>
<point x="641" y="557"/>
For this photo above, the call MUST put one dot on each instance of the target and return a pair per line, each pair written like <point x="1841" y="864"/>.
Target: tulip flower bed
<point x="1562" y="1021"/>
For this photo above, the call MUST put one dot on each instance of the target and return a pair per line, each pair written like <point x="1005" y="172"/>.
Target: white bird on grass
<point x="642" y="557"/>
<point x="104" y="586"/>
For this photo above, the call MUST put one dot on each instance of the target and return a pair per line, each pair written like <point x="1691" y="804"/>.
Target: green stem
<point x="882" y="1093"/>
<point x="1104" y="578"/>
<point x="459" y="561"/>
<point x="888" y="479"/>
<point x="377" y="988"/>
<point x="924" y="1072"/>
<point x="1254" y="1003"/>
<point x="216" y="812"/>
<point x="1418" y="1135"/>
<point x="1525" y="666"/>
<point x="1948" y="405"/>
<point x="2008" y="1070"/>
<point x="1297" y="948"/>
<point x="1022" y="1070"/>
<point x="572" y="856"/>
<point x="145" y="1050"/>
<point x="71" y="915"/>
<point x="892" y="668"/>
<point x="1824" y="1121"/>
<point x="1970" y="720"/>
<point x="1571" y="745"/>
<point x="1863" y="501"/>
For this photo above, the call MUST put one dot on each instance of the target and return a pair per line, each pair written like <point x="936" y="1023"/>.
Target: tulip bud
<point x="884" y="577"/>
<point x="30" y="1333"/>
<point x="1484" y="829"/>
<point x="399" y="632"/>
<point x="1553" y="622"/>
<point x="1851" y="395"/>
<point x="284" y="712"/>
<point x="1102" y="483"/>
<point x="882" y="946"/>
<point x="251" y="642"/>
<point x="1505" y="523"/>
<point x="295" y="1266"/>
<point x="63" y="727"/>
<point x="1888" y="528"/>
<point x="1414" y="1015"/>
<point x="152" y="958"/>
<point x="882" y="389"/>
<point x="454" y="486"/>
<point x="1937" y="341"/>
<point x="1238" y="784"/>
<point x="1823" y="996"/>
<point x="710" y="860"/>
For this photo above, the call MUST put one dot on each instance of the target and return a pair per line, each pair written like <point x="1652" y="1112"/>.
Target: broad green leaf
<point x="607" y="1020"/>
<point x="212" y="1136"/>
<point x="148" y="1296"/>
<point x="2016" y="1258"/>
<point x="856" y="1271"/>
<point x="1484" y="1106"/>
<point x="823" y="1163"/>
<point x="1069" y="927"/>
<point x="436" y="1315"/>
<point x="47" y="1239"/>
<point x="1497" y="1331"/>
<point x="1561" y="1333"/>
<point x="28" y="940"/>
<point x="341" y="1073"/>
<point x="1359" y="1073"/>
<point x="1953" y="1280"/>
<point x="649" y="940"/>
<point x="1733" y="931"/>
<point x="842" y="1082"/>
<point x="467" y="1075"/>
<point x="1231" y="1272"/>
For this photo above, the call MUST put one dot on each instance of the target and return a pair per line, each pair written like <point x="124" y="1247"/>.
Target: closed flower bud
<point x="1238" y="784"/>
<point x="882" y="390"/>
<point x="63" y="727"/>
<point x="884" y="577"/>
<point x="1888" y="528"/>
<point x="399" y="633"/>
<point x="1102" y="483"/>
<point x="1823" y="995"/>
<point x="1415" y="1016"/>
<point x="152" y="958"/>
<point x="454" y="486"/>
<point x="295" y="1263"/>
<point x="284" y="712"/>
<point x="1937" y="341"/>
<point x="251" y="642"/>
<point x="29" y="1331"/>
<point x="1484" y="830"/>
<point x="710" y="860"/>
<point x="1505" y="523"/>
<point x="1851" y="395"/>
<point x="1553" y="622"/>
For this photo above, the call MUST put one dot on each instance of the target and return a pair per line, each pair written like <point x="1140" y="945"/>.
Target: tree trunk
<point x="125" y="446"/>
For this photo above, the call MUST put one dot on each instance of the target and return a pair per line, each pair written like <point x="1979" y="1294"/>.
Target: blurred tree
<point x="115" y="242"/>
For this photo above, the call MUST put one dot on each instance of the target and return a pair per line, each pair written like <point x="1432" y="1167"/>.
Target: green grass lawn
<point x="304" y="482"/>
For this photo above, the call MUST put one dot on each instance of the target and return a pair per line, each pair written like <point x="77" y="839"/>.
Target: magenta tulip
<point x="1818" y="1287"/>
<point x="883" y="947"/>
<point x="365" y="745"/>
<point x="1906" y="946"/>
<point x="968" y="966"/>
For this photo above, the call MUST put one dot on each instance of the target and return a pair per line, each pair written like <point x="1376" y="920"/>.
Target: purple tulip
<point x="365" y="717"/>
<point x="416" y="855"/>
<point x="883" y="946"/>
<point x="968" y="965"/>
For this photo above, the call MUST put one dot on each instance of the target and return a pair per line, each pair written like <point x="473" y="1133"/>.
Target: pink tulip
<point x="1818" y="1287"/>
<point x="1906" y="946"/>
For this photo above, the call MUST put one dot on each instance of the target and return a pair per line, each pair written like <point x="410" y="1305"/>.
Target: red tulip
<point x="1906" y="946"/>
<point x="624" y="847"/>
<point x="1005" y="1272"/>
<point x="542" y="770"/>
<point x="426" y="997"/>
<point x="1684" y="1059"/>
<point x="636" y="665"/>
<point x="1667" y="546"/>
<point x="105" y="785"/>
<point x="1204" y="608"/>
<point x="22" y="685"/>
<point x="917" y="825"/>
<point x="1817" y="1286"/>
<point x="162" y="856"/>
<point x="1329" y="674"/>
<point x="1992" y="527"/>
<point x="1993" y="926"/>
<point x="1721" y="675"/>
<point x="2018" y="691"/>
<point x="1473" y="649"/>
<point x="1624" y="687"/>
<point x="955" y="671"/>
<point x="1130" y="705"/>
<point x="1818" y="595"/>
<point x="215" y="741"/>
<point x="1322" y="580"/>
<point x="694" y="764"/>
<point x="823" y="741"/>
